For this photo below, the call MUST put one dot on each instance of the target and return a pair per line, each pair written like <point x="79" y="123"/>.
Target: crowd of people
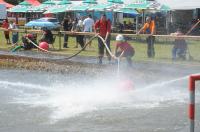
<point x="102" y="27"/>
<point x="77" y="25"/>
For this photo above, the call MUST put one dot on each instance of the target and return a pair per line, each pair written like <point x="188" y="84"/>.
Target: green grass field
<point x="162" y="50"/>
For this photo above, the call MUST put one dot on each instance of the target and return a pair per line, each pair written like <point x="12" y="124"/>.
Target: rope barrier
<point x="86" y="33"/>
<point x="112" y="34"/>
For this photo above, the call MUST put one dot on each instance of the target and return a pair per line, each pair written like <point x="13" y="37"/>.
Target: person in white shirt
<point x="14" y="34"/>
<point x="88" y="24"/>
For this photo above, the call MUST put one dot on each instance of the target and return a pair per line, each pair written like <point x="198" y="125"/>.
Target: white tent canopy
<point x="181" y="4"/>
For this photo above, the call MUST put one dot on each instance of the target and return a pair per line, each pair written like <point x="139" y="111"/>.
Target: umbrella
<point x="6" y="4"/>
<point x="64" y="2"/>
<point x="90" y="1"/>
<point x="116" y="1"/>
<point x="83" y="7"/>
<point x="128" y="11"/>
<point x="101" y="7"/>
<point x="40" y="23"/>
<point x="49" y="2"/>
<point x="58" y="9"/>
<point x="144" y="5"/>
<point x="165" y="8"/>
<point x="25" y="3"/>
<point x="22" y="7"/>
<point x="61" y="7"/>
<point x="43" y="6"/>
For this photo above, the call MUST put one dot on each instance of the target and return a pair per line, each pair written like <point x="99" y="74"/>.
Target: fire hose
<point x="97" y="35"/>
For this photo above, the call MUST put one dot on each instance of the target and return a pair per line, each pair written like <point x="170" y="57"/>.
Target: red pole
<point x="191" y="109"/>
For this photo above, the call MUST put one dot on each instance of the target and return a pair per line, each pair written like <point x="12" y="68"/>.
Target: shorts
<point x="6" y="35"/>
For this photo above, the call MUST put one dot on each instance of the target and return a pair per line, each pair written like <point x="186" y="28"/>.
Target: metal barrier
<point x="191" y="110"/>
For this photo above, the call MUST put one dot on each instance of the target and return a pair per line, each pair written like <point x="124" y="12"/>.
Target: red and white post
<point x="191" y="110"/>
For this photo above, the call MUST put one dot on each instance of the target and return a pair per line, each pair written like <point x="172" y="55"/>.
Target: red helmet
<point x="29" y="36"/>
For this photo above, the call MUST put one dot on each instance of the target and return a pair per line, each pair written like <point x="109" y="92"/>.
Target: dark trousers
<point x="128" y="54"/>
<point x="179" y="53"/>
<point x="15" y="38"/>
<point x="65" y="40"/>
<point x="80" y="40"/>
<point x="101" y="47"/>
<point x="150" y="46"/>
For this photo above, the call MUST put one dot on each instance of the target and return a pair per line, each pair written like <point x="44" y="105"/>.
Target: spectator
<point x="14" y="34"/>
<point x="123" y="49"/>
<point x="130" y="25"/>
<point x="149" y="28"/>
<point x="6" y="33"/>
<point x="125" y="25"/>
<point x="104" y="27"/>
<point x="77" y="27"/>
<point x="47" y="36"/>
<point x="66" y="27"/>
<point x="88" y="24"/>
<point x="26" y="43"/>
<point x="180" y="46"/>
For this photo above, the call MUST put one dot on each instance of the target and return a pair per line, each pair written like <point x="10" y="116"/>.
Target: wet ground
<point x="39" y="101"/>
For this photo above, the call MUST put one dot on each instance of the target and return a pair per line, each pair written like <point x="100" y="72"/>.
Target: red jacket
<point x="104" y="27"/>
<point x="5" y="25"/>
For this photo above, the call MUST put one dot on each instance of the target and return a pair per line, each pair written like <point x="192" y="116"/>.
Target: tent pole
<point x="113" y="18"/>
<point x="142" y="16"/>
<point x="136" y="23"/>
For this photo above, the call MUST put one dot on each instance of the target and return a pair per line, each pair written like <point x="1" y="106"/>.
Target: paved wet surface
<point x="54" y="102"/>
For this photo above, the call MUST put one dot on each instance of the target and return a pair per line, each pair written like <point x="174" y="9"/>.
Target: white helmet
<point x="120" y="37"/>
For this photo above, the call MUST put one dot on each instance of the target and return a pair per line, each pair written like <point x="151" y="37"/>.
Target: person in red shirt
<point x="104" y="27"/>
<point x="124" y="49"/>
<point x="6" y="33"/>
<point x="149" y="28"/>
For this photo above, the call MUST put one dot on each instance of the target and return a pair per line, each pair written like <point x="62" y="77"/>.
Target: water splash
<point x="118" y="67"/>
<point x="68" y="100"/>
<point x="164" y="83"/>
<point x="71" y="99"/>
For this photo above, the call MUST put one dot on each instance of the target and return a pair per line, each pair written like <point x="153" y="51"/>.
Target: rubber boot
<point x="100" y="60"/>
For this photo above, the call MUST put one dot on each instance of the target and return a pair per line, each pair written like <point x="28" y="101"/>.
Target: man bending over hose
<point x="124" y="49"/>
